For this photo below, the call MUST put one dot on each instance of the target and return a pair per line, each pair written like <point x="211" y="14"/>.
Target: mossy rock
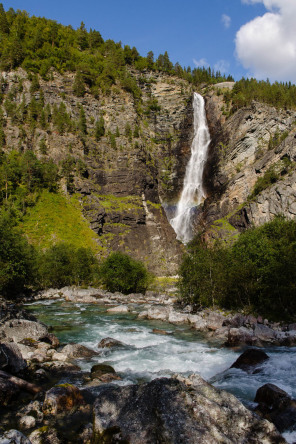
<point x="101" y="369"/>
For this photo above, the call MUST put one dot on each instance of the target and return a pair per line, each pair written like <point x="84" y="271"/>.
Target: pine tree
<point x="4" y="26"/>
<point x="100" y="128"/>
<point x="78" y="85"/>
<point x="82" y="121"/>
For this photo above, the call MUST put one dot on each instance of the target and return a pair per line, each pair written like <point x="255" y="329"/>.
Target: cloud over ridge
<point x="266" y="46"/>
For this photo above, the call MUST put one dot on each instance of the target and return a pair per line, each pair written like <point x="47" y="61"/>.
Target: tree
<point x="78" y="85"/>
<point x="82" y="121"/>
<point x="4" y="26"/>
<point x="99" y="128"/>
<point x="119" y="272"/>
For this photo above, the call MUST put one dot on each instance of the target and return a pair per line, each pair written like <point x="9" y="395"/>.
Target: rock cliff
<point x="122" y="176"/>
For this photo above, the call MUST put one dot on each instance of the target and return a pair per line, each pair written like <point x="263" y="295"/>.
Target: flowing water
<point x="193" y="192"/>
<point x="148" y="355"/>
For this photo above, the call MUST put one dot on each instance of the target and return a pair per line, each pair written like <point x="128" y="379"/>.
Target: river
<point x="148" y="355"/>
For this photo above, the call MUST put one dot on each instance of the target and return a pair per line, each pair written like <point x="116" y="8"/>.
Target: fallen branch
<point x="21" y="383"/>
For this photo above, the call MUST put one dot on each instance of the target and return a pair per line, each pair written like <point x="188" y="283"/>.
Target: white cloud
<point x="201" y="63"/>
<point x="222" y="66"/>
<point x="266" y="46"/>
<point x="226" y="20"/>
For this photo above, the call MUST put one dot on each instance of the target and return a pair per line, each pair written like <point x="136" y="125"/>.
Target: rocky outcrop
<point x="176" y="410"/>
<point x="244" y="147"/>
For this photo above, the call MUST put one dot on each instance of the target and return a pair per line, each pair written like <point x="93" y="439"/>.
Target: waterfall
<point x="193" y="192"/>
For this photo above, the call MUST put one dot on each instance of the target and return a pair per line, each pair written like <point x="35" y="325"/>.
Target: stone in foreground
<point x="177" y="411"/>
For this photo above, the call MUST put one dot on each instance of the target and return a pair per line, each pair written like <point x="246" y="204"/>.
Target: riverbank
<point x="232" y="329"/>
<point x="66" y="399"/>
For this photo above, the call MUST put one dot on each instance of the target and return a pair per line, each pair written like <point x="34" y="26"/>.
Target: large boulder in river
<point x="250" y="360"/>
<point x="277" y="406"/>
<point x="110" y="343"/>
<point x="175" y="411"/>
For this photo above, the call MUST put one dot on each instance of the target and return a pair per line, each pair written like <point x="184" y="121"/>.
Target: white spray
<point x="193" y="192"/>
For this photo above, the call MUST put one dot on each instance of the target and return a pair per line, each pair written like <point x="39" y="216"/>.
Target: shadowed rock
<point x="175" y="411"/>
<point x="250" y="359"/>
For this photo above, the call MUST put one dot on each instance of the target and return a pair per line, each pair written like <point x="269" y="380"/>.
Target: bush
<point x="257" y="273"/>
<point x="119" y="272"/>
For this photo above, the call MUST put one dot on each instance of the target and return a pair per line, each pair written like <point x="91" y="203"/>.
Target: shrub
<point x="119" y="272"/>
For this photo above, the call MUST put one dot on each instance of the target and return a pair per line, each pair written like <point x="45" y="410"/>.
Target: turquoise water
<point x="148" y="355"/>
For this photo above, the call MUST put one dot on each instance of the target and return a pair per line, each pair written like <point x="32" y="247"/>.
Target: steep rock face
<point x="245" y="147"/>
<point x="122" y="177"/>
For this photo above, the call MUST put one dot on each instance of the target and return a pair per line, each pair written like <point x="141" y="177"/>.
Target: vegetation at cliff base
<point x="256" y="273"/>
<point x="119" y="272"/>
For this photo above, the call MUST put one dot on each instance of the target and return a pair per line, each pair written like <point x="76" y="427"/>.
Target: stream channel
<point x="149" y="355"/>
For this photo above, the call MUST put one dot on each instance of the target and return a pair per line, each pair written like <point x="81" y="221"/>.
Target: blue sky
<point x="221" y="33"/>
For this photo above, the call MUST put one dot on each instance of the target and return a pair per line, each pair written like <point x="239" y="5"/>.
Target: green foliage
<point x="280" y="95"/>
<point x="269" y="178"/>
<point x="16" y="259"/>
<point x="63" y="264"/>
<point x="257" y="273"/>
<point x="100" y="128"/>
<point x="22" y="177"/>
<point x="78" y="85"/>
<point x="61" y="119"/>
<point x="119" y="272"/>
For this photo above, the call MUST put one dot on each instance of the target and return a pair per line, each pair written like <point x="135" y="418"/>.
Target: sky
<point x="238" y="37"/>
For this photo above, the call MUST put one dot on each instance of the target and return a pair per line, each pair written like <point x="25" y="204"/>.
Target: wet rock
<point x="11" y="358"/>
<point x="143" y="314"/>
<point x="62" y="399"/>
<point x="250" y="359"/>
<point x="98" y="370"/>
<point x="277" y="406"/>
<point x="119" y="309"/>
<point x="176" y="410"/>
<point x="14" y="437"/>
<point x="110" y="343"/>
<point x="157" y="331"/>
<point x="77" y="351"/>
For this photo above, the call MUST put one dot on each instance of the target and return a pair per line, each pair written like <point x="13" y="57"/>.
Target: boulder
<point x="215" y="321"/>
<point x="250" y="359"/>
<point x="110" y="343"/>
<point x="264" y="333"/>
<point x="176" y="410"/>
<point x="11" y="359"/>
<point x="27" y="422"/>
<point x="235" y="321"/>
<point x="160" y="313"/>
<point x="200" y="325"/>
<point x="239" y="336"/>
<point x="277" y="406"/>
<point x="45" y="435"/>
<point x="14" y="437"/>
<point x="98" y="370"/>
<point x="177" y="318"/>
<point x="20" y="329"/>
<point x="62" y="399"/>
<point x="77" y="351"/>
<point x="119" y="309"/>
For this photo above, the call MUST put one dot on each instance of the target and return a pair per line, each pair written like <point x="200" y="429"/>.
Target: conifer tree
<point x="4" y="26"/>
